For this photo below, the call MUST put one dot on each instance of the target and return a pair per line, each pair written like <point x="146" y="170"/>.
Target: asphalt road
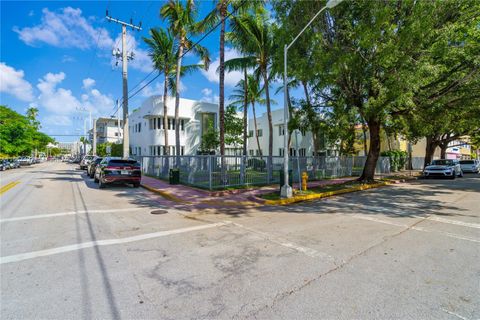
<point x="71" y="251"/>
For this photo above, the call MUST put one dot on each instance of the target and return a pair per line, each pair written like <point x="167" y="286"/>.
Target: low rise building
<point x="147" y="130"/>
<point x="108" y="130"/>
<point x="301" y="140"/>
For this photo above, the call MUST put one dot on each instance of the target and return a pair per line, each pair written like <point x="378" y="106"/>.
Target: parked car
<point x="92" y="166"/>
<point x="449" y="168"/>
<point x="14" y="164"/>
<point x="118" y="170"/>
<point x="85" y="161"/>
<point x="470" y="166"/>
<point x="25" y="161"/>
<point x="4" y="165"/>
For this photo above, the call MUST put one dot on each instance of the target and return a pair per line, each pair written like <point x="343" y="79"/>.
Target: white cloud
<point x="231" y="78"/>
<point x="57" y="120"/>
<point x="12" y="82"/>
<point x="56" y="100"/>
<point x="61" y="101"/>
<point x="66" y="28"/>
<point x="88" y="82"/>
<point x="67" y="58"/>
<point x="208" y="96"/>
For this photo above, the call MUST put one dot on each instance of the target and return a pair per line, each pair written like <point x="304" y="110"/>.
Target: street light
<point x="286" y="190"/>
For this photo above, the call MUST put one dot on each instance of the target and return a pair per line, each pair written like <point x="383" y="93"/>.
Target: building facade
<point x="301" y="141"/>
<point x="147" y="131"/>
<point x="108" y="130"/>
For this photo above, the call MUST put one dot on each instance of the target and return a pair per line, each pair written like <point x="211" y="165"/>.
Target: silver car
<point x="470" y="165"/>
<point x="449" y="168"/>
<point x="85" y="162"/>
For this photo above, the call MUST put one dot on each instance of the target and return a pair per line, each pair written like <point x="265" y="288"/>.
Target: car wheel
<point x="95" y="179"/>
<point x="461" y="174"/>
<point x="101" y="185"/>
<point x="453" y="176"/>
<point x="136" y="185"/>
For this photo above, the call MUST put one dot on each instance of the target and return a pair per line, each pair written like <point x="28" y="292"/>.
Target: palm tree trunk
<point x="221" y="106"/>
<point x="270" y="126"/>
<point x="177" y="103"/>
<point x="245" y="112"/>
<point x="165" y="114"/>
<point x="256" y="130"/>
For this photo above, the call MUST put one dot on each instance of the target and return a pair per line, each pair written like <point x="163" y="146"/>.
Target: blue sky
<point x="57" y="56"/>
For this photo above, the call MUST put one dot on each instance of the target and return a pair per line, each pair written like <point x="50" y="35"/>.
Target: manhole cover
<point x="160" y="211"/>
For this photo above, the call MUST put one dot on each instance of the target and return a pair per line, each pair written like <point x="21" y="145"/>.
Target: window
<point x="169" y="124"/>
<point x="159" y="150"/>
<point x="182" y="150"/>
<point x="139" y="127"/>
<point x="160" y="123"/>
<point x="257" y="153"/>
<point x="150" y="124"/>
<point x="250" y="134"/>
<point x="293" y="152"/>
<point x="259" y="132"/>
<point x="182" y="124"/>
<point x="154" y="123"/>
<point x="302" y="152"/>
<point x="281" y="152"/>
<point x="250" y="152"/>
<point x="281" y="130"/>
<point x="302" y="131"/>
<point x="173" y="124"/>
<point x="116" y="134"/>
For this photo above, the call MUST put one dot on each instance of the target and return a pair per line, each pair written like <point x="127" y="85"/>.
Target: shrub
<point x="397" y="158"/>
<point x="257" y="164"/>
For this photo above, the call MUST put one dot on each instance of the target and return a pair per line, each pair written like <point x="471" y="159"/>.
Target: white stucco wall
<point x="190" y="111"/>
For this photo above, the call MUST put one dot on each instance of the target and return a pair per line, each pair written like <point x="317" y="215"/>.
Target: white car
<point x="470" y="165"/>
<point x="448" y="168"/>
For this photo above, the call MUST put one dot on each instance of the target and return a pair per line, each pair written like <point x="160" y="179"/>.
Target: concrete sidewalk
<point x="184" y="197"/>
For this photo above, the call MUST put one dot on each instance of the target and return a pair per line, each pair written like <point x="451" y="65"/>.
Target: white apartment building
<point x="304" y="147"/>
<point x="108" y="130"/>
<point x="301" y="141"/>
<point x="147" y="130"/>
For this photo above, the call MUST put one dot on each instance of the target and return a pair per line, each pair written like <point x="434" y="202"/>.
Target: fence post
<point x="210" y="172"/>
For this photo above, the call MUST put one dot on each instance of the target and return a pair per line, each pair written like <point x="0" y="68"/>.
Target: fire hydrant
<point x="304" y="181"/>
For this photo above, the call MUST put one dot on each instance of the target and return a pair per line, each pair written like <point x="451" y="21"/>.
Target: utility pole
<point x="118" y="125"/>
<point x="125" y="57"/>
<point x="94" y="142"/>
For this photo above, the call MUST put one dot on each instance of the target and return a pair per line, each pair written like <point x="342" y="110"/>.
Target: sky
<point x="57" y="56"/>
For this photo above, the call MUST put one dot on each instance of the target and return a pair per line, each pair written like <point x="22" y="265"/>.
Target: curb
<point x="295" y="199"/>
<point x="164" y="194"/>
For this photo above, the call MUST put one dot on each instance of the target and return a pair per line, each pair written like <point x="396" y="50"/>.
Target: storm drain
<point x="159" y="211"/>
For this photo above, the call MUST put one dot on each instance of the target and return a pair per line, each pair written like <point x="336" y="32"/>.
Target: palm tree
<point x="183" y="25"/>
<point x="258" y="30"/>
<point x="219" y="14"/>
<point x="254" y="94"/>
<point x="163" y="51"/>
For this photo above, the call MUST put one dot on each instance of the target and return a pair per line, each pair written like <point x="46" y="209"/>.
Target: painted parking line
<point x="107" y="242"/>
<point x="8" y="186"/>
<point x="285" y="243"/>
<point x="403" y="214"/>
<point x="416" y="228"/>
<point x="60" y="214"/>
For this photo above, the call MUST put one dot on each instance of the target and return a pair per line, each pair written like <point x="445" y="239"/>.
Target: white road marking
<point x="107" y="242"/>
<point x="284" y="243"/>
<point x="431" y="217"/>
<point x="455" y="314"/>
<point x="416" y="228"/>
<point x="59" y="214"/>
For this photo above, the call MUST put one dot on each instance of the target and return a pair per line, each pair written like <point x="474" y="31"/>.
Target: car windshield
<point x="98" y="160"/>
<point x="467" y="162"/>
<point x="442" y="162"/>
